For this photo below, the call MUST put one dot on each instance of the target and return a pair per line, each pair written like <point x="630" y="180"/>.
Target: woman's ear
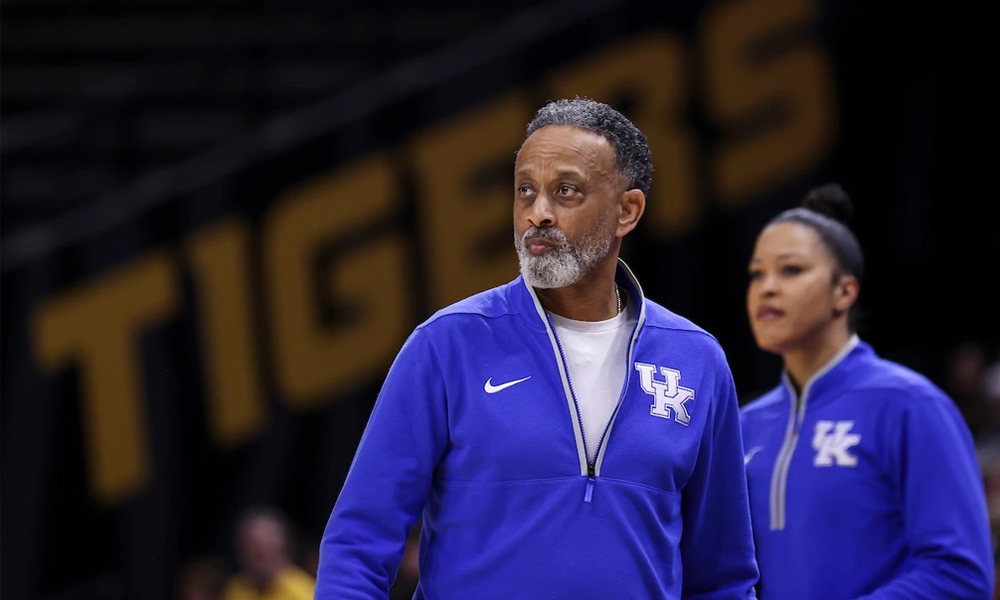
<point x="846" y="292"/>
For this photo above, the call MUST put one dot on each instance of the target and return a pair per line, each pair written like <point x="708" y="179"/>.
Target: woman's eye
<point x="791" y="270"/>
<point x="756" y="275"/>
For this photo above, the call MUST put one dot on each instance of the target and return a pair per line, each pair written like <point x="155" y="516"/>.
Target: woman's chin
<point x="771" y="343"/>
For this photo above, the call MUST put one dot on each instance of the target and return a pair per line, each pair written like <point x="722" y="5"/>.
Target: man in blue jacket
<point x="563" y="436"/>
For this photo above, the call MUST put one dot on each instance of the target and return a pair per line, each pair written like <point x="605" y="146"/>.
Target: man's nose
<point x="540" y="214"/>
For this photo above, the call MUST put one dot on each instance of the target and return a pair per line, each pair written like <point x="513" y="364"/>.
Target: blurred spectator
<point x="409" y="569"/>
<point x="987" y="382"/>
<point x="989" y="460"/>
<point x="309" y="551"/>
<point x="989" y="397"/>
<point x="991" y="384"/>
<point x="966" y="366"/>
<point x="264" y="550"/>
<point x="201" y="578"/>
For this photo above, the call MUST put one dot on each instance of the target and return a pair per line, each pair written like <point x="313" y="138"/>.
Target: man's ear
<point x="632" y="205"/>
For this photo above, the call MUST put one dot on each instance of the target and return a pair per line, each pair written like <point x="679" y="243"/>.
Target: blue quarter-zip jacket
<point x="870" y="489"/>
<point x="511" y="507"/>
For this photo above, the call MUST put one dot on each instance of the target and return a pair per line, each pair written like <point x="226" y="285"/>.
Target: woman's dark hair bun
<point x="830" y="200"/>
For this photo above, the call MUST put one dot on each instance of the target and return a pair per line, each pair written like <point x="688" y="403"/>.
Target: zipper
<point x="598" y="456"/>
<point x="601" y="446"/>
<point x="588" y="493"/>
<point x="591" y="480"/>
<point x="572" y="393"/>
<point x="779" y="480"/>
<point x="796" y="415"/>
<point x="591" y="468"/>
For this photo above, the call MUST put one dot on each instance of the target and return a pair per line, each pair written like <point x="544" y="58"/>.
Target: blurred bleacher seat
<point x="96" y="93"/>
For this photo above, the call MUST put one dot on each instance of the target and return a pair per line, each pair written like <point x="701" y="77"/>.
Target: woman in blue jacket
<point x="863" y="479"/>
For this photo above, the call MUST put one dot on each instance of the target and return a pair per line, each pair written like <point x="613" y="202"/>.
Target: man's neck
<point x="592" y="298"/>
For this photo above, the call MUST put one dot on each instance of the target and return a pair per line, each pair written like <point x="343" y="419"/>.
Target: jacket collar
<point x="832" y="376"/>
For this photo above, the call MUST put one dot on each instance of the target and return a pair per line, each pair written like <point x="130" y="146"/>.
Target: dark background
<point x="129" y="126"/>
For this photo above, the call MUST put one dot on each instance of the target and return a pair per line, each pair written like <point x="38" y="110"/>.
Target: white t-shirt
<point x="595" y="357"/>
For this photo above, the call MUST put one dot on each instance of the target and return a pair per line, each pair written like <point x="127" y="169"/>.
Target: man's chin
<point x="547" y="280"/>
<point x="551" y="270"/>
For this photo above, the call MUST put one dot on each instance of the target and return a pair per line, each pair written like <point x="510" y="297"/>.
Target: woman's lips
<point x="769" y="313"/>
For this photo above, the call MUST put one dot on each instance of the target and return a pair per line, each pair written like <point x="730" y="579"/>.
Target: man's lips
<point x="769" y="313"/>
<point x="540" y="245"/>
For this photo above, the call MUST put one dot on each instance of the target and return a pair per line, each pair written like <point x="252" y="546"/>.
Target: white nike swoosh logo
<point x="754" y="450"/>
<point x="492" y="389"/>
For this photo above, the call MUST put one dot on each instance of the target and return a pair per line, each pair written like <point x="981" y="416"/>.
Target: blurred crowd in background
<point x="974" y="384"/>
<point x="271" y="562"/>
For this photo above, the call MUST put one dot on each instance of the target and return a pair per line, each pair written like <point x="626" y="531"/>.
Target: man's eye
<point x="565" y="190"/>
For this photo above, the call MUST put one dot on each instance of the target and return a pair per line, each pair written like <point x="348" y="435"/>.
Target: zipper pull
<point x="589" y="494"/>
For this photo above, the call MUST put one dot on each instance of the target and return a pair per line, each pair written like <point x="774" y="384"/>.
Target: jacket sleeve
<point x="389" y="479"/>
<point x="944" y="507"/>
<point x="717" y="550"/>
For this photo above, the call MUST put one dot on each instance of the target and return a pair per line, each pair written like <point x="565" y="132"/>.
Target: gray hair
<point x="631" y="149"/>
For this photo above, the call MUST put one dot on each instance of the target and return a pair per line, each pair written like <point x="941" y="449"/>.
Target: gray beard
<point x="564" y="265"/>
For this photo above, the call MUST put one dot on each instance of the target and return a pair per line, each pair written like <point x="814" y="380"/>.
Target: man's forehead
<point x="561" y="172"/>
<point x="567" y="143"/>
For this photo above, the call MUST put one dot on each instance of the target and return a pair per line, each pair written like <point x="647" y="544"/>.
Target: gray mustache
<point x="545" y="234"/>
